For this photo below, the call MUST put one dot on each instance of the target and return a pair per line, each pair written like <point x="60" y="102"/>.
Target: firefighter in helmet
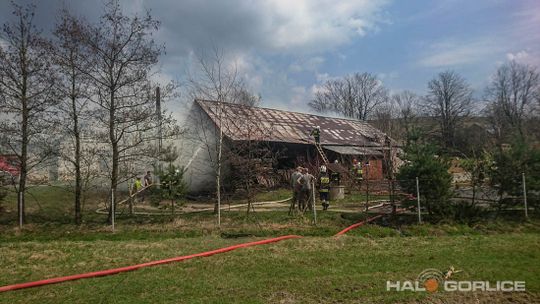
<point x="324" y="187"/>
<point x="316" y="133"/>
<point x="357" y="170"/>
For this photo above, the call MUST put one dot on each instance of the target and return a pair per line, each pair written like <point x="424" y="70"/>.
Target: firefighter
<point x="335" y="177"/>
<point x="296" y="187"/>
<point x="357" y="170"/>
<point x="137" y="186"/>
<point x="306" y="181"/>
<point x="324" y="188"/>
<point x="316" y="133"/>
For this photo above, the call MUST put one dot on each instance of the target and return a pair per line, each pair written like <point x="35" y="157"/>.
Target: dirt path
<point x="278" y="205"/>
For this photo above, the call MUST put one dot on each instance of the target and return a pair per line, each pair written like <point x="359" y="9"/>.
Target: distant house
<point x="9" y="165"/>
<point x="288" y="133"/>
<point x="42" y="172"/>
<point x="459" y="174"/>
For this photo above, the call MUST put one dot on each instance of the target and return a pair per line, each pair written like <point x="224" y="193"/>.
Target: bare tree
<point x="74" y="88"/>
<point x="512" y="94"/>
<point x="385" y="119"/>
<point x="397" y="116"/>
<point x="407" y="104"/>
<point x="497" y="122"/>
<point x="354" y="96"/>
<point x="243" y="96"/>
<point x="27" y="92"/>
<point x="217" y="80"/>
<point x="537" y="96"/>
<point x="250" y="156"/>
<point x="122" y="54"/>
<point x="449" y="101"/>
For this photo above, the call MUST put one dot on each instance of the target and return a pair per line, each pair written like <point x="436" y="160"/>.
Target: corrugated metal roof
<point x="353" y="150"/>
<point x="290" y="127"/>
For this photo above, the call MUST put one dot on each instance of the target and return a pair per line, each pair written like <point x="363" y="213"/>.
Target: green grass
<point x="236" y="223"/>
<point x="50" y="210"/>
<point x="309" y="270"/>
<point x="41" y="201"/>
<point x="361" y="197"/>
<point x="274" y="195"/>
<point x="317" y="268"/>
<point x="48" y="204"/>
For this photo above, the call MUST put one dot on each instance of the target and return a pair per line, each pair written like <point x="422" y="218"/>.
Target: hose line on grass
<point x="105" y="211"/>
<point x="165" y="261"/>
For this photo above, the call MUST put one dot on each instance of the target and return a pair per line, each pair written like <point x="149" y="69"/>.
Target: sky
<point x="286" y="49"/>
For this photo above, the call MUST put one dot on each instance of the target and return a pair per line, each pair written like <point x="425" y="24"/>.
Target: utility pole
<point x="418" y="200"/>
<point x="524" y="195"/>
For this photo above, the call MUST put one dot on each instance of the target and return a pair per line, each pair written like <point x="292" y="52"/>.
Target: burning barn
<point x="286" y="133"/>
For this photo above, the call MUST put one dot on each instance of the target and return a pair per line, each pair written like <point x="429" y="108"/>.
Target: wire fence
<point x="46" y="203"/>
<point x="481" y="196"/>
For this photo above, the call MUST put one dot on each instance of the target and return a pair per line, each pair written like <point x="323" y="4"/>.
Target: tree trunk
<point x="22" y="189"/>
<point x="249" y="198"/>
<point x="217" y="207"/>
<point x="78" y="182"/>
<point x="114" y="179"/>
<point x="77" y="161"/>
<point x="115" y="157"/>
<point x="23" y="159"/>
<point x="24" y="142"/>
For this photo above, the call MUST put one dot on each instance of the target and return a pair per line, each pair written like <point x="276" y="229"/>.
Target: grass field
<point x="318" y="268"/>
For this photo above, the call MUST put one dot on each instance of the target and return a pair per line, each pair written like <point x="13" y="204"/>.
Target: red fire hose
<point x="135" y="267"/>
<point x="159" y="262"/>
<point x="358" y="224"/>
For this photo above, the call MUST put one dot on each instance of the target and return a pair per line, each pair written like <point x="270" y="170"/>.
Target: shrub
<point x="465" y="212"/>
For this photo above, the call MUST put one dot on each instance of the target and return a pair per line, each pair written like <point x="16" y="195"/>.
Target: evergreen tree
<point x="172" y="185"/>
<point x="505" y="173"/>
<point x="422" y="161"/>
